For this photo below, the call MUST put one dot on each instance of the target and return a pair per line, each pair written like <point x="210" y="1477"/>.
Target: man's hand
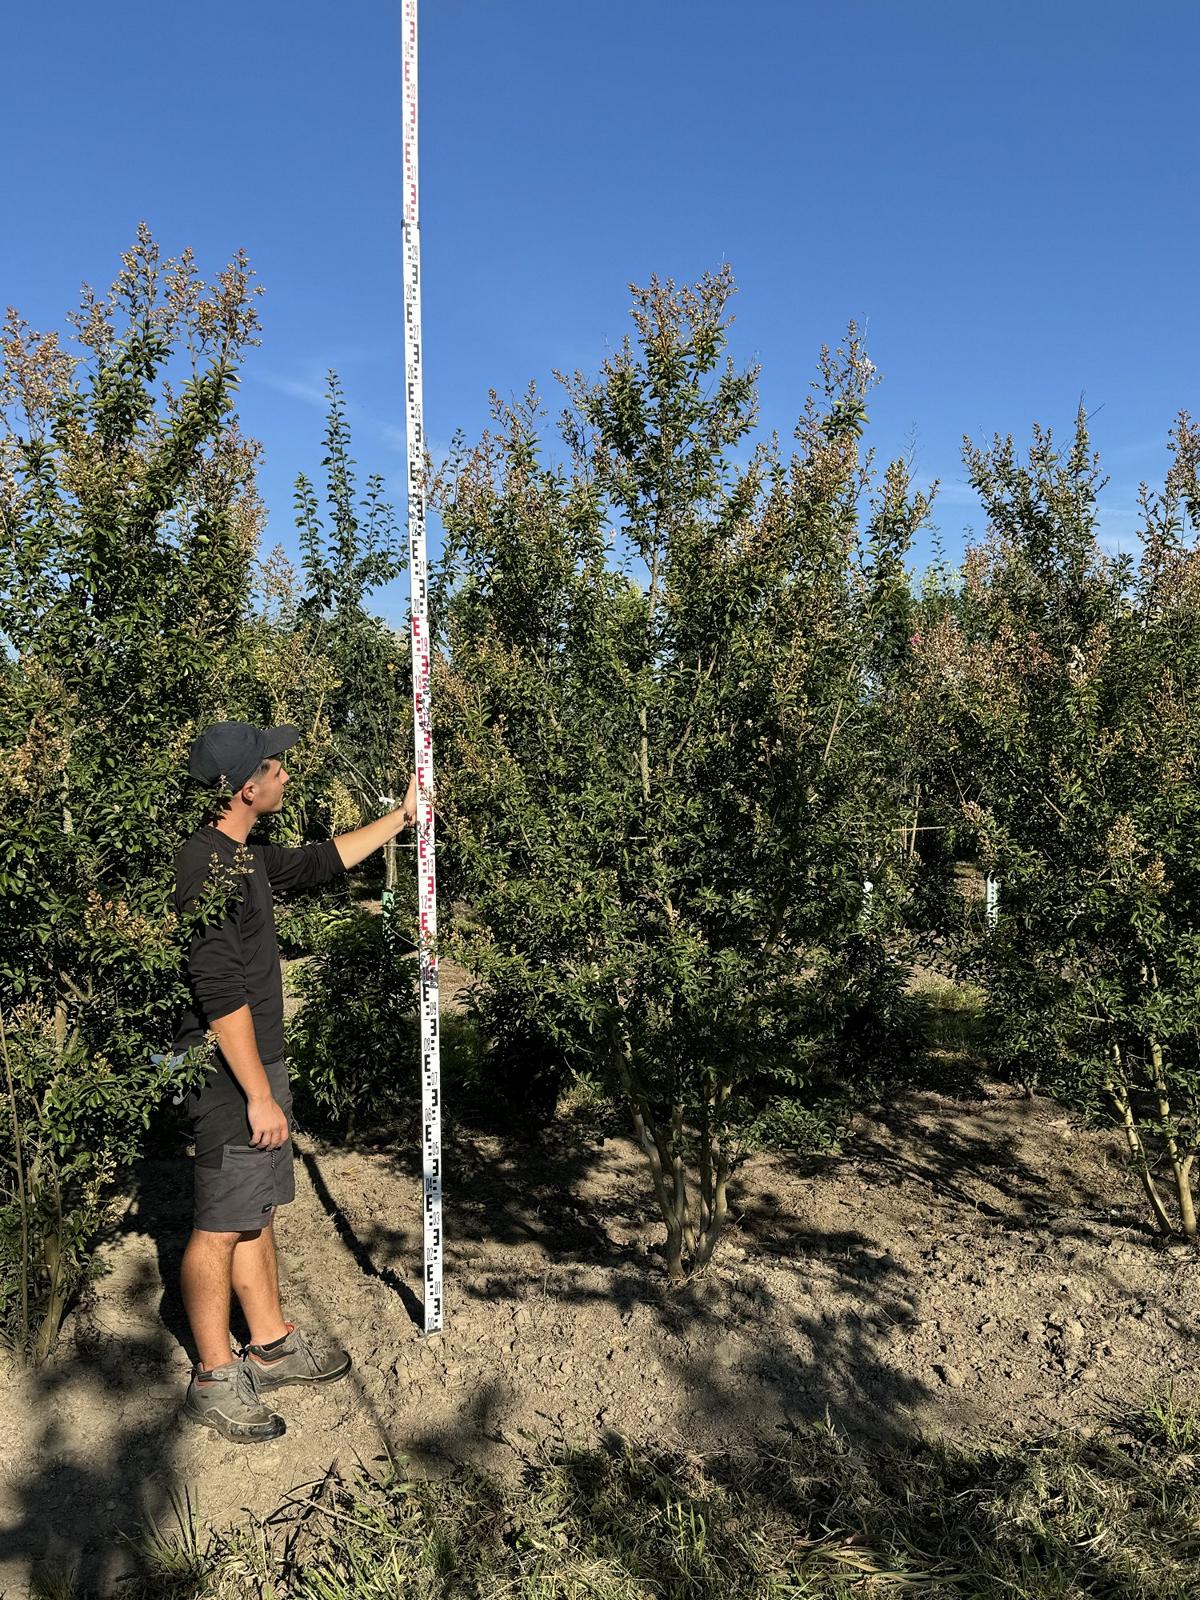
<point x="268" y="1125"/>
<point x="357" y="846"/>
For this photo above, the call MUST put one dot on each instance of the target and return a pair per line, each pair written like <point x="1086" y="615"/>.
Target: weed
<point x="818" y="1518"/>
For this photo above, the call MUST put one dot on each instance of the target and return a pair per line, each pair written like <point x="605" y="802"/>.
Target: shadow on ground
<point x="542" y="1220"/>
<point x="69" y="1511"/>
<point x="83" y="1494"/>
<point x="752" y="1349"/>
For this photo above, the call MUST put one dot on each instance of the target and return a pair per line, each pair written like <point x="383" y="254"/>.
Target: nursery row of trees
<point x="690" y="701"/>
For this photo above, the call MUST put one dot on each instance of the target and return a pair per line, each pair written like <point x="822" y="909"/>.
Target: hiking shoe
<point x="226" y="1398"/>
<point x="295" y="1359"/>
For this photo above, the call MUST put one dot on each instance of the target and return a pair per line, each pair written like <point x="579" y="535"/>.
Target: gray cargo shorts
<point x="238" y="1185"/>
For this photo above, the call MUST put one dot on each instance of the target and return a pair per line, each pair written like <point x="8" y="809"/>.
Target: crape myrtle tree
<point x="343" y="675"/>
<point x="321" y="659"/>
<point x="1070" y="679"/>
<point x="128" y="521"/>
<point x="665" y="696"/>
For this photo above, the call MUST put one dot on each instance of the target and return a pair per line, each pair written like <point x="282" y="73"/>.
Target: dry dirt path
<point x="970" y="1267"/>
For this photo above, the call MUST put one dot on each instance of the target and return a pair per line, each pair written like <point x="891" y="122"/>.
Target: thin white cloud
<point x="952" y="492"/>
<point x="1117" y="529"/>
<point x="396" y="438"/>
<point x="310" y="391"/>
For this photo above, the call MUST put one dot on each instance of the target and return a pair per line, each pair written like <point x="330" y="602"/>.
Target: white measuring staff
<point x="431" y="1086"/>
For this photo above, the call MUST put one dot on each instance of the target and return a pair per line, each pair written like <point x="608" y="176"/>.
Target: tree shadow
<point x="79" y="1498"/>
<point x="362" y="1251"/>
<point x="975" y="1154"/>
<point x="745" y="1351"/>
<point x="510" y="1188"/>
<point x="533" y="1210"/>
<point x="465" y="1439"/>
<point x="72" y="1508"/>
<point x="524" y="1210"/>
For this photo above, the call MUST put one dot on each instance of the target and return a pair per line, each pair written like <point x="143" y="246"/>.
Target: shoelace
<point x="315" y="1353"/>
<point x="245" y="1385"/>
<point x="306" y="1347"/>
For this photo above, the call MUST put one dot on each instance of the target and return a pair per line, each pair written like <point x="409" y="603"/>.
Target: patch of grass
<point x="814" y="1518"/>
<point x="1171" y="1424"/>
<point x="950" y="1018"/>
<point x="588" y="1112"/>
<point x="53" y="1586"/>
<point x="175" y="1558"/>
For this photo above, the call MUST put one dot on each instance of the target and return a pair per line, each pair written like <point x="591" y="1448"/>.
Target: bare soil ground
<point x="971" y="1266"/>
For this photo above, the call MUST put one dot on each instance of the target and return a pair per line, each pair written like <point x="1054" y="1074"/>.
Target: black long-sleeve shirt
<point x="233" y="960"/>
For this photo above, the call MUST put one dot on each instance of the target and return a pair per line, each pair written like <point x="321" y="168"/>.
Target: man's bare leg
<point x="205" y="1281"/>
<point x="255" y="1280"/>
<point x="219" y="1395"/>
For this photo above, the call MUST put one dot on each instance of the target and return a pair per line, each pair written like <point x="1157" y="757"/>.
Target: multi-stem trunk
<point x="689" y="1247"/>
<point x="691" y="1238"/>
<point x="1118" y="1094"/>
<point x="1181" y="1164"/>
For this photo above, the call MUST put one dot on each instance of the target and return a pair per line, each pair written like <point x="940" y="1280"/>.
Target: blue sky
<point x="1003" y="194"/>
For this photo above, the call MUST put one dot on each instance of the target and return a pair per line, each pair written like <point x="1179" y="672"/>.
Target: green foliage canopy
<point x="128" y="520"/>
<point x="1070" y="684"/>
<point x="667" y="682"/>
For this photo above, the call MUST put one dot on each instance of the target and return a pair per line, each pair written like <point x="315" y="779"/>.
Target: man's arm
<point x="216" y="969"/>
<point x="357" y="846"/>
<point x="235" y="1035"/>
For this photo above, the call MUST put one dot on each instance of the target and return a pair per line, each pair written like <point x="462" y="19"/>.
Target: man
<point x="241" y="1114"/>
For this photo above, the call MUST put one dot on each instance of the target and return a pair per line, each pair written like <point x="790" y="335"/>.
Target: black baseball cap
<point x="228" y="753"/>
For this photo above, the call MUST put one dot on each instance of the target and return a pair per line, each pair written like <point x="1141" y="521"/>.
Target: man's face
<point x="268" y="790"/>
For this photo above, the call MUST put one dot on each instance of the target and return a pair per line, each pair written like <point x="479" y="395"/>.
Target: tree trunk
<point x="1179" y="1166"/>
<point x="716" y="1227"/>
<point x="690" y="1239"/>
<point x="56" y="1298"/>
<point x="1118" y="1093"/>
<point x="1187" y="1204"/>
<point x="682" y="1208"/>
<point x="621" y="1055"/>
<point x="714" y="1177"/>
<point x="22" y="1191"/>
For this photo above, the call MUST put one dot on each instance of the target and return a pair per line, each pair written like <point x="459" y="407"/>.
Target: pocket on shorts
<point x="239" y="1194"/>
<point x="280" y="1080"/>
<point x="283" y="1174"/>
<point x="281" y="1087"/>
